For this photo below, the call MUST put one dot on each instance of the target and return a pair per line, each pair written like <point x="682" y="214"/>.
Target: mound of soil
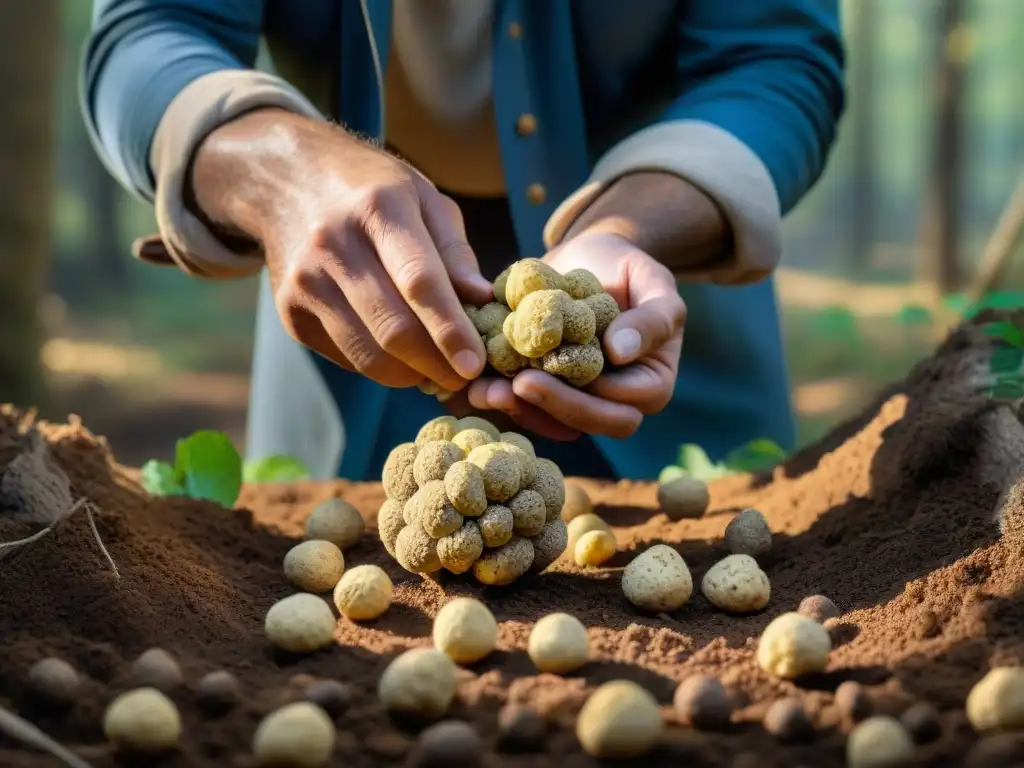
<point x="907" y="517"/>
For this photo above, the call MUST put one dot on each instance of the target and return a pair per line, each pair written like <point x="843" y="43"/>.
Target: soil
<point x="907" y="517"/>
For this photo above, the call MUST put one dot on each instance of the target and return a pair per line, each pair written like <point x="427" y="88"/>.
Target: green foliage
<point x="208" y="466"/>
<point x="274" y="469"/>
<point x="756" y="456"/>
<point x="914" y="316"/>
<point x="838" y="323"/>
<point x="1006" y="365"/>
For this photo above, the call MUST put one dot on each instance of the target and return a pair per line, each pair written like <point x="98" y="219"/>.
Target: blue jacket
<point x="770" y="72"/>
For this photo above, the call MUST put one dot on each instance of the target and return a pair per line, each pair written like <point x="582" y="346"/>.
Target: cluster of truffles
<point x="543" y="319"/>
<point x="465" y="497"/>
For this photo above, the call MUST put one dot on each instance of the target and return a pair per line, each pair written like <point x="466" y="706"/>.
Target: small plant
<point x="208" y="466"/>
<point x="756" y="456"/>
<point x="1007" y="362"/>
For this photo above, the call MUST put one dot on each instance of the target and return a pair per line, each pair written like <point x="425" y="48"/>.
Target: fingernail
<point x="626" y="343"/>
<point x="467" y="364"/>
<point x="531" y="396"/>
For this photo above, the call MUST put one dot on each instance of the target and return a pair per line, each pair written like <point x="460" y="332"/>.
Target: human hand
<point x="645" y="341"/>
<point x="368" y="261"/>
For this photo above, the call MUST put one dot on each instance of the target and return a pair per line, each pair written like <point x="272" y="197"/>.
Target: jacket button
<point x="536" y="194"/>
<point x="515" y="30"/>
<point x="526" y="125"/>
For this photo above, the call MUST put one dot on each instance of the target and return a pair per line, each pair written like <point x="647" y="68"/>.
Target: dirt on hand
<point x="908" y="518"/>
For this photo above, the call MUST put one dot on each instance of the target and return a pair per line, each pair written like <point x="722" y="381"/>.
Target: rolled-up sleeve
<point x="761" y="91"/>
<point x="157" y="77"/>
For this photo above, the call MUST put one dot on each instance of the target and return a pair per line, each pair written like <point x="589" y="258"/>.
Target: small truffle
<point x="549" y="544"/>
<point x="996" y="702"/>
<point x="363" y="593"/>
<point x="818" y="608"/>
<point x="434" y="460"/>
<point x="218" y="692"/>
<point x="578" y="364"/>
<point x="521" y="442"/>
<point x="922" y="722"/>
<point x="399" y="482"/>
<point x="558" y="644"/>
<point x="465" y="630"/>
<point x="520" y="729"/>
<point x="416" y="551"/>
<point x="528" y="513"/>
<point x="330" y="695"/>
<point x="736" y="584"/>
<point x="488" y="319"/>
<point x="336" y="521"/>
<point x="499" y="285"/>
<point x="657" y="580"/>
<point x="464" y="486"/>
<point x="495" y="525"/>
<point x="550" y="484"/>
<point x="501" y="470"/>
<point x="852" y="701"/>
<point x="53" y="683"/>
<point x="879" y="742"/>
<point x="793" y="645"/>
<point x="527" y="462"/>
<point x="605" y="310"/>
<point x="449" y="744"/>
<point x="440" y="428"/>
<point x="476" y="422"/>
<point x="584" y="524"/>
<point x="300" y="623"/>
<point x="684" y="497"/>
<point x="528" y="276"/>
<point x="787" y="721"/>
<point x="156" y="668"/>
<point x="470" y="438"/>
<point x="582" y="283"/>
<point x="748" y="534"/>
<point x="503" y="357"/>
<point x="390" y="522"/>
<point x="458" y="551"/>
<point x="430" y="509"/>
<point x="142" y="721"/>
<point x="419" y="682"/>
<point x="594" y="548"/>
<point x="506" y="563"/>
<point x="539" y="321"/>
<point x="702" y="702"/>
<point x="579" y="323"/>
<point x="577" y="502"/>
<point x="314" y="566"/>
<point x="299" y="734"/>
<point x="620" y="720"/>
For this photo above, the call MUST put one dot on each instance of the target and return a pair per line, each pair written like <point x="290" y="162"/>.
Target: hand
<point x="368" y="261"/>
<point x="646" y="340"/>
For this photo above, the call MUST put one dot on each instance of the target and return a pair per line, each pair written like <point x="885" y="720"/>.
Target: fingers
<point x="407" y="252"/>
<point x="497" y="395"/>
<point x="444" y="222"/>
<point x="647" y="386"/>
<point x="579" y="410"/>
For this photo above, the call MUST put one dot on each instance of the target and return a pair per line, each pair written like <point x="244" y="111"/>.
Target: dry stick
<point x="1001" y="245"/>
<point x="22" y="730"/>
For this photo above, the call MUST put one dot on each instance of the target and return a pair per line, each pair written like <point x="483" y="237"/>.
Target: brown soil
<point x="896" y="517"/>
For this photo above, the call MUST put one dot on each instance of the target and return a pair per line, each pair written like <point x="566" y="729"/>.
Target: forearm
<point x="664" y="216"/>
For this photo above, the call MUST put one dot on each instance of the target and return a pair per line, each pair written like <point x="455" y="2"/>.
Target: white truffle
<point x="737" y="584"/>
<point x="549" y="544"/>
<point x="464" y="487"/>
<point x="465" y="630"/>
<point x="657" y="580"/>
<point x="298" y="735"/>
<point x="620" y="720"/>
<point x="142" y="721"/>
<point x="683" y="497"/>
<point x="476" y="422"/>
<point x="390" y="522"/>
<point x="314" y="566"/>
<point x="336" y="521"/>
<point x="793" y="645"/>
<point x="582" y="524"/>
<point x="748" y="534"/>
<point x="594" y="548"/>
<point x="528" y="514"/>
<point x="996" y="702"/>
<point x="577" y="502"/>
<point x="558" y="644"/>
<point x="300" y="623"/>
<point x="879" y="742"/>
<point x="503" y="565"/>
<point x="419" y="682"/>
<point x="363" y="593"/>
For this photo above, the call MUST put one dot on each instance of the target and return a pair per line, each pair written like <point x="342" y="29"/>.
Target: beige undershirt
<point x="439" y="106"/>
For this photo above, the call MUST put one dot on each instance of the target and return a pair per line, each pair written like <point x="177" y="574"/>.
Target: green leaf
<point x="1006" y="331"/>
<point x="211" y="467"/>
<point x="670" y="473"/>
<point x="914" y="315"/>
<point x="756" y="456"/>
<point x="274" y="469"/>
<point x="1006" y="361"/>
<point x="695" y="461"/>
<point x="838" y="322"/>
<point x="160" y="479"/>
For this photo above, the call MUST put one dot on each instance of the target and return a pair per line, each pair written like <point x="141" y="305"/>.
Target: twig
<point x="22" y="730"/>
<point x="80" y="504"/>
<point x="99" y="541"/>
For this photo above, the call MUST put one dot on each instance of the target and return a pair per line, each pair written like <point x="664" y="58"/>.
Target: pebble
<point x="922" y="722"/>
<point x="853" y="701"/>
<point x="520" y="729"/>
<point x="218" y="692"/>
<point x="748" y="534"/>
<point x="879" y="742"/>
<point x="703" y="702"/>
<point x="331" y="696"/>
<point x="156" y="668"/>
<point x="297" y="735"/>
<point x="793" y="645"/>
<point x="996" y="702"/>
<point x="684" y="497"/>
<point x="1001" y="750"/>
<point x="300" y="623"/>
<point x="336" y="521"/>
<point x="54" y="683"/>
<point x="577" y="502"/>
<point x="449" y="744"/>
<point x="819" y="608"/>
<point x="787" y="721"/>
<point x="143" y="721"/>
<point x="620" y="720"/>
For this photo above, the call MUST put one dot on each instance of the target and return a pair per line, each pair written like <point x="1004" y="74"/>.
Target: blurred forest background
<point x="880" y="257"/>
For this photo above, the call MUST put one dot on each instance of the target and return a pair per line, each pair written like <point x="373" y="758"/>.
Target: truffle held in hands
<point x="545" y="320"/>
<point x="465" y="497"/>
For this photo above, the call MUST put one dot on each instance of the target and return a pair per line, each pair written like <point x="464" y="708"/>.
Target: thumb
<point x="444" y="222"/>
<point x="656" y="314"/>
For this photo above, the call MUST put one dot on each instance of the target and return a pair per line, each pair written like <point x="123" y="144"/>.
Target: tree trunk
<point x="29" y="46"/>
<point x="862" y="130"/>
<point x="940" y="261"/>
